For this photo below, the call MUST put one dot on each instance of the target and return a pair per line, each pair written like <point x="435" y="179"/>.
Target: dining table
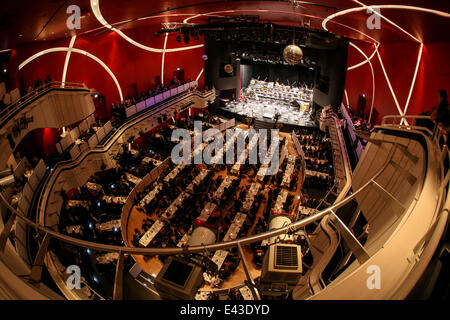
<point x="112" y="225"/>
<point x="150" y="196"/>
<point x="278" y="208"/>
<point x="151" y="233"/>
<point x="197" y="180"/>
<point x="252" y="192"/>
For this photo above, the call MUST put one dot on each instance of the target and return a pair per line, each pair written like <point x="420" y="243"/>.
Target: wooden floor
<point x="152" y="265"/>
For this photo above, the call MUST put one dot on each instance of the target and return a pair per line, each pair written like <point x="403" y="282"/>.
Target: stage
<point x="268" y="101"/>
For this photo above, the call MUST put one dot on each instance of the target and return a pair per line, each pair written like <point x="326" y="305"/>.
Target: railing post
<point x="118" y="280"/>
<point x="355" y="246"/>
<point x="6" y="232"/>
<point x="38" y="264"/>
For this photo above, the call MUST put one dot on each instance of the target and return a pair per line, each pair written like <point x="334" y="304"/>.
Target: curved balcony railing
<point x="357" y="248"/>
<point x="11" y="110"/>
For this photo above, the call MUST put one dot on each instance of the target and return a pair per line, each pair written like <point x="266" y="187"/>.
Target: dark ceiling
<point x="32" y="21"/>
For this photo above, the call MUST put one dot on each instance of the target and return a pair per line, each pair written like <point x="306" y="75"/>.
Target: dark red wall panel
<point x="132" y="66"/>
<point x="399" y="60"/>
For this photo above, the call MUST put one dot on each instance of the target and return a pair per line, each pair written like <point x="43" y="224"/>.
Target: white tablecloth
<point x="183" y="240"/>
<point x="316" y="174"/>
<point x="150" y="196"/>
<point x="151" y="233"/>
<point x="108" y="226"/>
<point x="113" y="199"/>
<point x="172" y="175"/>
<point x="73" y="229"/>
<point x="176" y="204"/>
<point x="133" y="179"/>
<point x="108" y="258"/>
<point x="307" y="211"/>
<point x="77" y="203"/>
<point x="93" y="186"/>
<point x="197" y="180"/>
<point x="207" y="210"/>
<point x="148" y="160"/>
<point x="246" y="293"/>
<point x="252" y="192"/>
<point x="278" y="208"/>
<point x="226" y="183"/>
<point x="287" y="175"/>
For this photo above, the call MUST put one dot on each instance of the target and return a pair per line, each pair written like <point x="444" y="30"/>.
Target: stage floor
<point x="267" y="109"/>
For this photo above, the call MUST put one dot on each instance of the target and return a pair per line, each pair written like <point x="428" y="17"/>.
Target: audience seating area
<point x="234" y="200"/>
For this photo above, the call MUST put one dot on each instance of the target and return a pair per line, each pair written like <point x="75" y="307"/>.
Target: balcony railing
<point x="353" y="243"/>
<point x="11" y="110"/>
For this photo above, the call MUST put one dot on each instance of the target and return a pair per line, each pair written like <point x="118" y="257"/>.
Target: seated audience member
<point x="441" y="113"/>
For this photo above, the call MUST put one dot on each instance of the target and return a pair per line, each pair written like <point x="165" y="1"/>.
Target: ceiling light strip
<point x="139" y="19"/>
<point x="163" y="56"/>
<point x="373" y="75"/>
<point x="357" y="9"/>
<point x="41" y="53"/>
<point x="346" y="98"/>
<point x="64" y="49"/>
<point x="200" y="74"/>
<point x="104" y="66"/>
<point x="419" y="57"/>
<point x="66" y="62"/>
<point x="389" y="84"/>
<point x="365" y="61"/>
<point x="386" y="19"/>
<point x="95" y="6"/>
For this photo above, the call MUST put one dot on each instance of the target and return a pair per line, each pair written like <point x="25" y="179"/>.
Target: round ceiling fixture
<point x="293" y="54"/>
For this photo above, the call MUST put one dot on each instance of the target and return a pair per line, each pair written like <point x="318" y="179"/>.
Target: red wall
<point x="399" y="60"/>
<point x="129" y="63"/>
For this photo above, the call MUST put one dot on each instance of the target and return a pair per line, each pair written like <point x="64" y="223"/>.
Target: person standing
<point x="441" y="114"/>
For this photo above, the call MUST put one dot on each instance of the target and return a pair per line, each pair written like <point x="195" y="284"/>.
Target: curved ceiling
<point x="35" y="21"/>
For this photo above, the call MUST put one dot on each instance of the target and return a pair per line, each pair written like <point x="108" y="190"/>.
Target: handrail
<point x="293" y="227"/>
<point x="40" y="91"/>
<point x="197" y="249"/>
<point x="436" y="134"/>
<point x="344" y="155"/>
<point x="123" y="126"/>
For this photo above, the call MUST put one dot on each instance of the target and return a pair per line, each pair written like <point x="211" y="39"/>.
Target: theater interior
<point x="224" y="150"/>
